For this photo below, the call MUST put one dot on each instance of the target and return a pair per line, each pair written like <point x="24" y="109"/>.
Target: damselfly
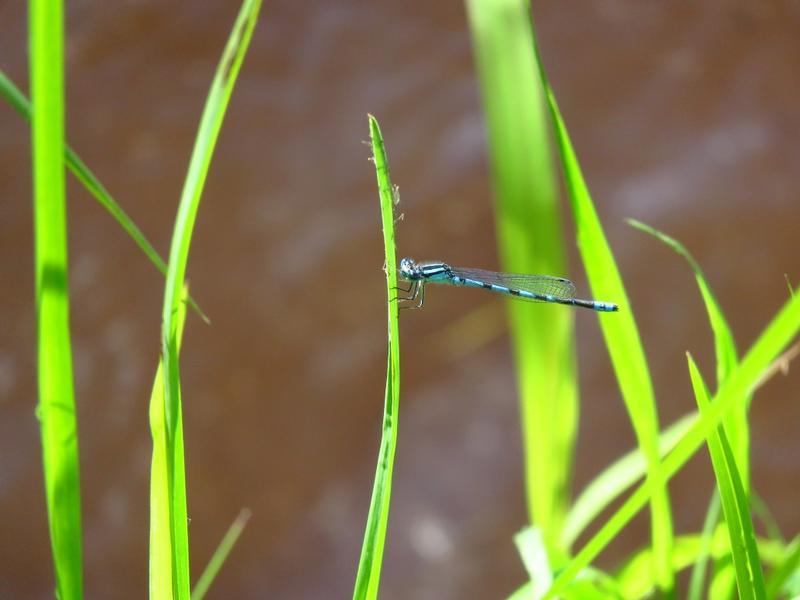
<point x="536" y="288"/>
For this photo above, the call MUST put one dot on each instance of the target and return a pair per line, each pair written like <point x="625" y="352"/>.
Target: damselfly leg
<point x="415" y="291"/>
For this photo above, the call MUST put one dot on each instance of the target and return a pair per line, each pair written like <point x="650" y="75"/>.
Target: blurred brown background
<point x="684" y="116"/>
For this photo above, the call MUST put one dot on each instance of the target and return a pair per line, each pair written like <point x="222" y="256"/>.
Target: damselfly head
<point x="409" y="270"/>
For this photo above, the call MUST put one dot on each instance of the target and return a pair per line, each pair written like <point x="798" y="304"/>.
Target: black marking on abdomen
<point x="514" y="292"/>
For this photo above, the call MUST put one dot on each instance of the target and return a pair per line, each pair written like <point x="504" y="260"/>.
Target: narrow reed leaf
<point x="615" y="479"/>
<point x="736" y="425"/>
<point x="210" y="123"/>
<point x="369" y="564"/>
<point x="724" y="344"/>
<point x="735" y="505"/>
<point x="530" y="237"/>
<point x="622" y="338"/>
<point x="161" y="534"/>
<point x="20" y="103"/>
<point x="734" y="391"/>
<point x="220" y="555"/>
<point x="56" y="410"/>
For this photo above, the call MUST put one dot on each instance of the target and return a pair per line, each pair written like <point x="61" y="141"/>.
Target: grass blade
<point x="161" y="534"/>
<point x="56" y="410"/>
<point x="369" y="564"/>
<point x="735" y="505"/>
<point x="735" y="390"/>
<point x="622" y="339"/>
<point x="724" y="344"/>
<point x="20" y="103"/>
<point x="736" y="425"/>
<point x="210" y="123"/>
<point x="530" y="238"/>
<point x="220" y="555"/>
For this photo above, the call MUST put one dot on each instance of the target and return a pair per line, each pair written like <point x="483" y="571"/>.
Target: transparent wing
<point x="536" y="284"/>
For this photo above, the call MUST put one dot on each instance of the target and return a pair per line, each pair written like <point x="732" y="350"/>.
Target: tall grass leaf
<point x="56" y="410"/>
<point x="724" y="344"/>
<point x="210" y="123"/>
<point x="220" y="555"/>
<point x="369" y="565"/>
<point x="736" y="425"/>
<point x="17" y="99"/>
<point x="735" y="504"/>
<point x="615" y="479"/>
<point x="621" y="336"/>
<point x="160" y="553"/>
<point x="734" y="391"/>
<point x="529" y="232"/>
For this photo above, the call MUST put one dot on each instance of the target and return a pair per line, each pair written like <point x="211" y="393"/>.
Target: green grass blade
<point x="220" y="555"/>
<point x="622" y="339"/>
<point x="724" y="344"/>
<point x="161" y="534"/>
<point x="615" y="479"/>
<point x="20" y="103"/>
<point x="735" y="390"/>
<point x="698" y="577"/>
<point x="369" y="564"/>
<point x="735" y="505"/>
<point x="210" y="123"/>
<point x="530" y="238"/>
<point x="736" y="425"/>
<point x="56" y="410"/>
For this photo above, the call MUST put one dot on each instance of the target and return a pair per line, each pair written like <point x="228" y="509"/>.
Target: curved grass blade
<point x="736" y="425"/>
<point x="615" y="479"/>
<point x="56" y="410"/>
<point x="20" y="103"/>
<point x="734" y="391"/>
<point x="210" y="123"/>
<point x="724" y="344"/>
<point x="220" y="555"/>
<point x="369" y="564"/>
<point x="622" y="338"/>
<point x="530" y="237"/>
<point x="735" y="505"/>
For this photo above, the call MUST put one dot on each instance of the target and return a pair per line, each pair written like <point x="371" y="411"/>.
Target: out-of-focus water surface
<point x="684" y="115"/>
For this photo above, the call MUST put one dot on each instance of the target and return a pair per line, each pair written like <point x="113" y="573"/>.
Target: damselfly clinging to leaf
<point x="536" y="288"/>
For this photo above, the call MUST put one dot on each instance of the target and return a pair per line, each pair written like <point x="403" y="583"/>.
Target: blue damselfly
<point x="535" y="288"/>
